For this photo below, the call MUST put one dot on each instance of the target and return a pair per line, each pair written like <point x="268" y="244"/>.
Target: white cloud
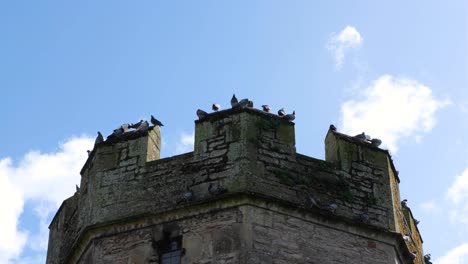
<point x="185" y="143"/>
<point x="458" y="255"/>
<point x="457" y="194"/>
<point x="43" y="178"/>
<point x="391" y="109"/>
<point x="349" y="38"/>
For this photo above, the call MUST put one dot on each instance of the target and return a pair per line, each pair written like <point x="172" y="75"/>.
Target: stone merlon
<point x="251" y="156"/>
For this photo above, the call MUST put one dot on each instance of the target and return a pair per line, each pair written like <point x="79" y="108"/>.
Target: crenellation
<point x="272" y="205"/>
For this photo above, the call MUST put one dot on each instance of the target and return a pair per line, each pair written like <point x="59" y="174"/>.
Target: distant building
<point x="242" y="196"/>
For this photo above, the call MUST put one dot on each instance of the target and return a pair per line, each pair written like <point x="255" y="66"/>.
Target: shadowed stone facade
<point x="277" y="206"/>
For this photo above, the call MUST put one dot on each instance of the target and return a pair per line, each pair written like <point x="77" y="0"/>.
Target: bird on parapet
<point x="250" y="104"/>
<point x="404" y="203"/>
<point x="216" y="189"/>
<point x="99" y="139"/>
<point x="406" y="238"/>
<point x="362" y="217"/>
<point x="216" y="107"/>
<point x="281" y="112"/>
<point x="413" y="255"/>
<point x="427" y="257"/>
<point x="155" y="122"/>
<point x="290" y="117"/>
<point x="89" y="152"/>
<point x="201" y="114"/>
<point x="234" y="101"/>
<point x="243" y="103"/>
<point x="376" y="142"/>
<point x="266" y="108"/>
<point x="332" y="127"/>
<point x="125" y="127"/>
<point x="361" y="136"/>
<point x="136" y="125"/>
<point x="186" y="197"/>
<point x="332" y="208"/>
<point x="77" y="188"/>
<point x="143" y="126"/>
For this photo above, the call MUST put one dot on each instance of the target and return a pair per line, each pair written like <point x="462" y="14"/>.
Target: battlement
<point x="243" y="158"/>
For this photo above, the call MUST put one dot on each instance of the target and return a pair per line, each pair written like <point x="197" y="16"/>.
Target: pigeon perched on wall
<point x="250" y="104"/>
<point x="313" y="202"/>
<point x="201" y="114"/>
<point x="361" y="136"/>
<point x="376" y="142"/>
<point x="266" y="108"/>
<point x="155" y="122"/>
<point x="413" y="255"/>
<point x="234" y="101"/>
<point x="332" y="208"/>
<point x="427" y="257"/>
<point x="290" y="117"/>
<point x="143" y="126"/>
<point x="332" y="127"/>
<point x="243" y="103"/>
<point x="77" y="188"/>
<point x="281" y="112"/>
<point x="407" y="238"/>
<point x="186" y="197"/>
<point x="136" y="125"/>
<point x="216" y="107"/>
<point x="216" y="189"/>
<point x="404" y="203"/>
<point x="416" y="221"/>
<point x="99" y="138"/>
<point x="362" y="217"/>
<point x="89" y="152"/>
<point x="125" y="127"/>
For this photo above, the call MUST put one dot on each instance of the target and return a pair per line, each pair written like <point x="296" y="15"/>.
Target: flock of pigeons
<point x="364" y="138"/>
<point x="142" y="125"/>
<point x="407" y="237"/>
<point x="246" y="103"/>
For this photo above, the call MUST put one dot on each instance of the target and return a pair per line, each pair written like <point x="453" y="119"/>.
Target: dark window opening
<point x="171" y="252"/>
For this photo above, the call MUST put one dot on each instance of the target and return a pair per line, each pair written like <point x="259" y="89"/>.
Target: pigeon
<point x="404" y="203"/>
<point x="281" y="112"/>
<point x="250" y="104"/>
<point x="361" y="136"/>
<point x="186" y="197"/>
<point x="376" y="142"/>
<point x="234" y="101"/>
<point x="332" y="127"/>
<point x="427" y="257"/>
<point x="407" y="238"/>
<point x="362" y="217"/>
<point x="416" y="221"/>
<point x="99" y="139"/>
<point x="266" y="108"/>
<point x="77" y="188"/>
<point x="413" y="255"/>
<point x="290" y="117"/>
<point x="216" y="107"/>
<point x="332" y="208"/>
<point x="89" y="152"/>
<point x="243" y="103"/>
<point x="216" y="190"/>
<point x="125" y="127"/>
<point x="201" y="114"/>
<point x="143" y="126"/>
<point x="136" y="125"/>
<point x="156" y="122"/>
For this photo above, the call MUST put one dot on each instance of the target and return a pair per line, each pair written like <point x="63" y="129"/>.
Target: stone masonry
<point x="273" y="205"/>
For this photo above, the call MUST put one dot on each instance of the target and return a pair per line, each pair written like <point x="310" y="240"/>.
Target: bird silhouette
<point x="143" y="126"/>
<point x="234" y="101"/>
<point x="290" y="117"/>
<point x="216" y="107"/>
<point x="376" y="142"/>
<point x="186" y="197"/>
<point x="99" y="138"/>
<point x="155" y="122"/>
<point x="201" y="114"/>
<point x="281" y="112"/>
<point x="266" y="108"/>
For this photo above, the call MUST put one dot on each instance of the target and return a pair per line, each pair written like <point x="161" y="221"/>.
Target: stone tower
<point x="244" y="195"/>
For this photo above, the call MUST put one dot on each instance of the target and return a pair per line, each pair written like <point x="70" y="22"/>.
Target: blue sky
<point x="395" y="69"/>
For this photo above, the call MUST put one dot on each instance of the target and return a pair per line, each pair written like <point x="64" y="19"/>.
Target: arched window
<point x="171" y="251"/>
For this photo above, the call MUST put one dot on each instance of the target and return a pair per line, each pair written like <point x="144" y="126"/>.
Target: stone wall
<point x="128" y="196"/>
